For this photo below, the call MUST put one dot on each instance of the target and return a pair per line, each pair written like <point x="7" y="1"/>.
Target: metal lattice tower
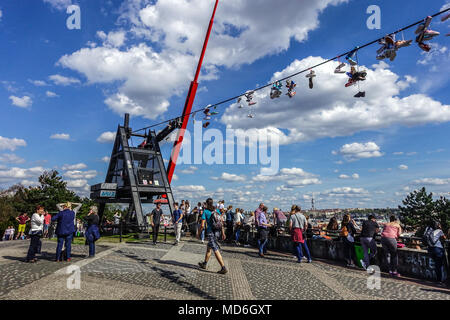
<point x="136" y="175"/>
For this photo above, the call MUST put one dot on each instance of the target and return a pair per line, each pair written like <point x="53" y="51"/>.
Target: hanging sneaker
<point x="358" y="95"/>
<point x="393" y="54"/>
<point x="381" y="56"/>
<point x="251" y="103"/>
<point x="339" y="68"/>
<point x="420" y="28"/>
<point x="432" y="32"/>
<point x="425" y="47"/>
<point x="350" y="83"/>
<point x="447" y="16"/>
<point x="402" y="43"/>
<point x="352" y="62"/>
<point x="205" y="125"/>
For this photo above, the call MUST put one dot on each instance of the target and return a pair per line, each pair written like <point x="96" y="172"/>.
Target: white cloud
<point x="11" y="144"/>
<point x="11" y="158"/>
<point x="353" y="176"/>
<point x="293" y="177"/>
<point x="356" y="151"/>
<point x="30" y="183"/>
<point x="38" y="83"/>
<point x="345" y="192"/>
<point x="77" y="166"/>
<point x="190" y="170"/>
<point x="51" y="94"/>
<point x="59" y="4"/>
<point x="229" y="177"/>
<point x="63" y="81"/>
<point x="178" y="26"/>
<point x="60" y="136"/>
<point x="190" y="188"/>
<point x="330" y="110"/>
<point x="106" y="159"/>
<point x="107" y="137"/>
<point x="403" y="167"/>
<point x="77" y="174"/>
<point x="114" y="39"/>
<point x="11" y="174"/>
<point x="23" y="102"/>
<point x="432" y="181"/>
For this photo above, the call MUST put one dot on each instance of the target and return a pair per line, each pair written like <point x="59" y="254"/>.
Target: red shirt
<point x="23" y="219"/>
<point x="47" y="218"/>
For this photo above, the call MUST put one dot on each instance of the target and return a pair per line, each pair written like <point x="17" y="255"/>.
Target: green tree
<point x="418" y="210"/>
<point x="51" y="191"/>
<point x="442" y="210"/>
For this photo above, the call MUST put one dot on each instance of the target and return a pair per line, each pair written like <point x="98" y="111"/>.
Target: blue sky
<point x="62" y="91"/>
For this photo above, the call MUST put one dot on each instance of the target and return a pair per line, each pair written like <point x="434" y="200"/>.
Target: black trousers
<point x="229" y="231"/>
<point x="155" y="230"/>
<point x="35" y="243"/>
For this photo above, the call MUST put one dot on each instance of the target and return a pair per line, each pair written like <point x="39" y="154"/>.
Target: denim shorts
<point x="213" y="241"/>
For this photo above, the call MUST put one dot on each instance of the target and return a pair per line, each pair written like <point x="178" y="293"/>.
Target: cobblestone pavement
<point x="142" y="271"/>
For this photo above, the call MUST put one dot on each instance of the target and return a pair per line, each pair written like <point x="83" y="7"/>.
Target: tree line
<point x="51" y="190"/>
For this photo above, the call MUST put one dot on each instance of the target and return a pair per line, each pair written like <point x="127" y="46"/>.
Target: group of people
<point x="390" y="234"/>
<point x="65" y="229"/>
<point x="22" y="220"/>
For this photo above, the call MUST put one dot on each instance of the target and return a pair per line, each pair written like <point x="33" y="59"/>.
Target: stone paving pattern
<point x="142" y="271"/>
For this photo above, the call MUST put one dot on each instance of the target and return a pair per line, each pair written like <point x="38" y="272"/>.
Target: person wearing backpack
<point x="432" y="239"/>
<point x="214" y="232"/>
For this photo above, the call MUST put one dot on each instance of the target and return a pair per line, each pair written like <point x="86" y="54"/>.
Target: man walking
<point x="177" y="220"/>
<point x="369" y="229"/>
<point x="22" y="219"/>
<point x="214" y="231"/>
<point x="156" y="215"/>
<point x="64" y="229"/>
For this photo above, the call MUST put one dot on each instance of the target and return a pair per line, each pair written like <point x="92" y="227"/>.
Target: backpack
<point x="344" y="232"/>
<point x="428" y="237"/>
<point x="216" y="221"/>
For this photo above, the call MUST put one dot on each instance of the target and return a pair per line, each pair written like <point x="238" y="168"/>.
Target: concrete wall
<point x="413" y="263"/>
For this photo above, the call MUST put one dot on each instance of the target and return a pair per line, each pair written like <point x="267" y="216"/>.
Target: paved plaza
<point x="141" y="271"/>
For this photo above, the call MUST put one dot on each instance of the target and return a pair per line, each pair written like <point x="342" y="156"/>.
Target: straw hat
<point x="68" y="205"/>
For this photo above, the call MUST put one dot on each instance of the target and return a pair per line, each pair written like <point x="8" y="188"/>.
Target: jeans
<point x="366" y="244"/>
<point x="34" y="247"/>
<point x="390" y="253"/>
<point x="262" y="240"/>
<point x="238" y="233"/>
<point x="178" y="231"/>
<point x="262" y="246"/>
<point x="67" y="241"/>
<point x="155" y="230"/>
<point x="298" y="250"/>
<point x="349" y="251"/>
<point x="437" y="254"/>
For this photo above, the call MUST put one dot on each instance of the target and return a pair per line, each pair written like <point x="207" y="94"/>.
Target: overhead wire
<point x="294" y="74"/>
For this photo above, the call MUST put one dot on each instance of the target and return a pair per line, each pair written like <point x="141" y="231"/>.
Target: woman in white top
<point x="37" y="226"/>
<point x="238" y="219"/>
